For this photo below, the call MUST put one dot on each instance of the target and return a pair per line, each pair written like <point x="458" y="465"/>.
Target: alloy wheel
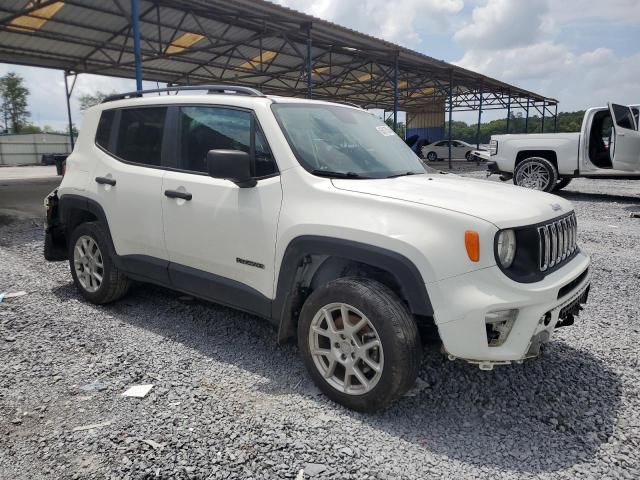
<point x="533" y="175"/>
<point x="88" y="263"/>
<point x="346" y="348"/>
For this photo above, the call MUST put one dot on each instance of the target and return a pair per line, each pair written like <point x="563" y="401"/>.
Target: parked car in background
<point x="440" y="150"/>
<point x="319" y="218"/>
<point x="607" y="146"/>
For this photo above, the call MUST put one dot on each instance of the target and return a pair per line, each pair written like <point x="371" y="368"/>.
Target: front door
<point x="625" y="143"/>
<point x="220" y="237"/>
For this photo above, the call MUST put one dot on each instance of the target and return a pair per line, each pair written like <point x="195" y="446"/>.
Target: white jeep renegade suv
<point x="317" y="217"/>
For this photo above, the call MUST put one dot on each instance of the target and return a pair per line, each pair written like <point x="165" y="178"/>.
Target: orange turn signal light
<point x="472" y="244"/>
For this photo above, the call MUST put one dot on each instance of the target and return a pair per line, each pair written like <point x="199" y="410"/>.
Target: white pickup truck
<point x="607" y="146"/>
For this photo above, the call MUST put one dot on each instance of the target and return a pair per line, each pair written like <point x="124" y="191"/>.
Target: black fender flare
<point x="404" y="271"/>
<point x="140" y="267"/>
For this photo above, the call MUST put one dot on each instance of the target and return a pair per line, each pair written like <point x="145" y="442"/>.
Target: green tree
<point x="400" y="128"/>
<point x="74" y="130"/>
<point x="13" y="98"/>
<point x="30" y="128"/>
<point x="88" y="100"/>
<point x="567" y="122"/>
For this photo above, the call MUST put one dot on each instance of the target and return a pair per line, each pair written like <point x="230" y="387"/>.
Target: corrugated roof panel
<point x="205" y="40"/>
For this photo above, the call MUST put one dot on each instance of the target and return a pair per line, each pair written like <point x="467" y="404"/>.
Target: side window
<point x="103" y="133"/>
<point x="140" y="135"/>
<point x="212" y="128"/>
<point x="624" y="117"/>
<point x="442" y="144"/>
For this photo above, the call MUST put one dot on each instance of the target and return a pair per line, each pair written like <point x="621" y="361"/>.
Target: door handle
<point x="106" y="181"/>
<point x="176" y="194"/>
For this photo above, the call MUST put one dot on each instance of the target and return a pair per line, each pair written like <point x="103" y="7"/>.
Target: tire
<point x="382" y="316"/>
<point x="432" y="156"/>
<point x="563" y="182"/>
<point x="113" y="284"/>
<point x="537" y="173"/>
<point x="467" y="156"/>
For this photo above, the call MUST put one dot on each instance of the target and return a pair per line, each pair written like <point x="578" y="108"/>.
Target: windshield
<point x="339" y="141"/>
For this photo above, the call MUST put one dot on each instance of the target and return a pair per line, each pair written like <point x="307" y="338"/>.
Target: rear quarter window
<point x="105" y="124"/>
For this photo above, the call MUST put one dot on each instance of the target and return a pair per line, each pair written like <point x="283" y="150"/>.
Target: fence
<point x="28" y="149"/>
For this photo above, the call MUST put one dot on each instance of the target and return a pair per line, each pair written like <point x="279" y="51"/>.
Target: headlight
<point x="506" y="247"/>
<point x="493" y="147"/>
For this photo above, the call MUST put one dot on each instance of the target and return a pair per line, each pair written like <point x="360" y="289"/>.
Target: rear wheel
<point x="359" y="343"/>
<point x="92" y="268"/>
<point x="563" y="182"/>
<point x="537" y="173"/>
<point x="432" y="156"/>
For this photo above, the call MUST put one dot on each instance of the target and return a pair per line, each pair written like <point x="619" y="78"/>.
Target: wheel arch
<point x="77" y="209"/>
<point x="546" y="154"/>
<point x="310" y="261"/>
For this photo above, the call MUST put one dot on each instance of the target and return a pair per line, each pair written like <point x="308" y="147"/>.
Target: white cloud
<point x="504" y="22"/>
<point x="618" y="11"/>
<point x="398" y="21"/>
<point x="517" y="42"/>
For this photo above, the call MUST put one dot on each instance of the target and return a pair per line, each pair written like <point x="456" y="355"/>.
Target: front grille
<point x="557" y="241"/>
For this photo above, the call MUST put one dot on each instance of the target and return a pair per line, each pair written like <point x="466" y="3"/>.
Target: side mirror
<point x="234" y="165"/>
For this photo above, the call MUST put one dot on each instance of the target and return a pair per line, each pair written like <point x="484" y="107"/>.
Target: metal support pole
<point x="479" y="116"/>
<point x="526" y="118"/>
<point x="508" y="112"/>
<point x="68" y="97"/>
<point x="135" y="23"/>
<point x="544" y="107"/>
<point x="309" y="61"/>
<point x="555" y="120"/>
<point x="450" y="112"/>
<point x="395" y="94"/>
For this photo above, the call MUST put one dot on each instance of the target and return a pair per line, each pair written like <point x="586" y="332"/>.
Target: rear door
<point x="128" y="182"/>
<point x="625" y="141"/>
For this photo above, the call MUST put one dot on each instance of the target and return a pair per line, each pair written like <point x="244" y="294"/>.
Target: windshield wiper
<point x="329" y="173"/>
<point x="404" y="174"/>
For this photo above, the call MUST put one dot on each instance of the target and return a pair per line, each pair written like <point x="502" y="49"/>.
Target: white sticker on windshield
<point x="385" y="130"/>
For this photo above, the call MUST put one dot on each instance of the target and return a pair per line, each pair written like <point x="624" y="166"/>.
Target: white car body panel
<point x="222" y="223"/>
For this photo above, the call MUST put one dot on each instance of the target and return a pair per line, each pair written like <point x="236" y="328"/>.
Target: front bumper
<point x="461" y="304"/>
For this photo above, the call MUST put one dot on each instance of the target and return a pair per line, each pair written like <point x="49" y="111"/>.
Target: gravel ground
<point x="227" y="402"/>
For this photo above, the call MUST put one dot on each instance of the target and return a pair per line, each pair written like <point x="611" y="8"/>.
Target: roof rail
<point x="252" y="92"/>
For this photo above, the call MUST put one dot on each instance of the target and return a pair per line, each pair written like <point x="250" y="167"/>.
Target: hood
<point x="504" y="205"/>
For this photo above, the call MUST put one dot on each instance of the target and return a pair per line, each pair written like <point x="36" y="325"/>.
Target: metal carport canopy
<point x="244" y="42"/>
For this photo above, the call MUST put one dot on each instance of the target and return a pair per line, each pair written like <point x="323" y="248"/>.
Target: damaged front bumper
<point x="465" y="307"/>
<point x="55" y="245"/>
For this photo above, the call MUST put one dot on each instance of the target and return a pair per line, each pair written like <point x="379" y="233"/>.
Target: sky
<point x="582" y="52"/>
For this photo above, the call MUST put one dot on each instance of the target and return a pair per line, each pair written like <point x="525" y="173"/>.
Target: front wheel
<point x="359" y="343"/>
<point x="432" y="156"/>
<point x="537" y="173"/>
<point x="467" y="157"/>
